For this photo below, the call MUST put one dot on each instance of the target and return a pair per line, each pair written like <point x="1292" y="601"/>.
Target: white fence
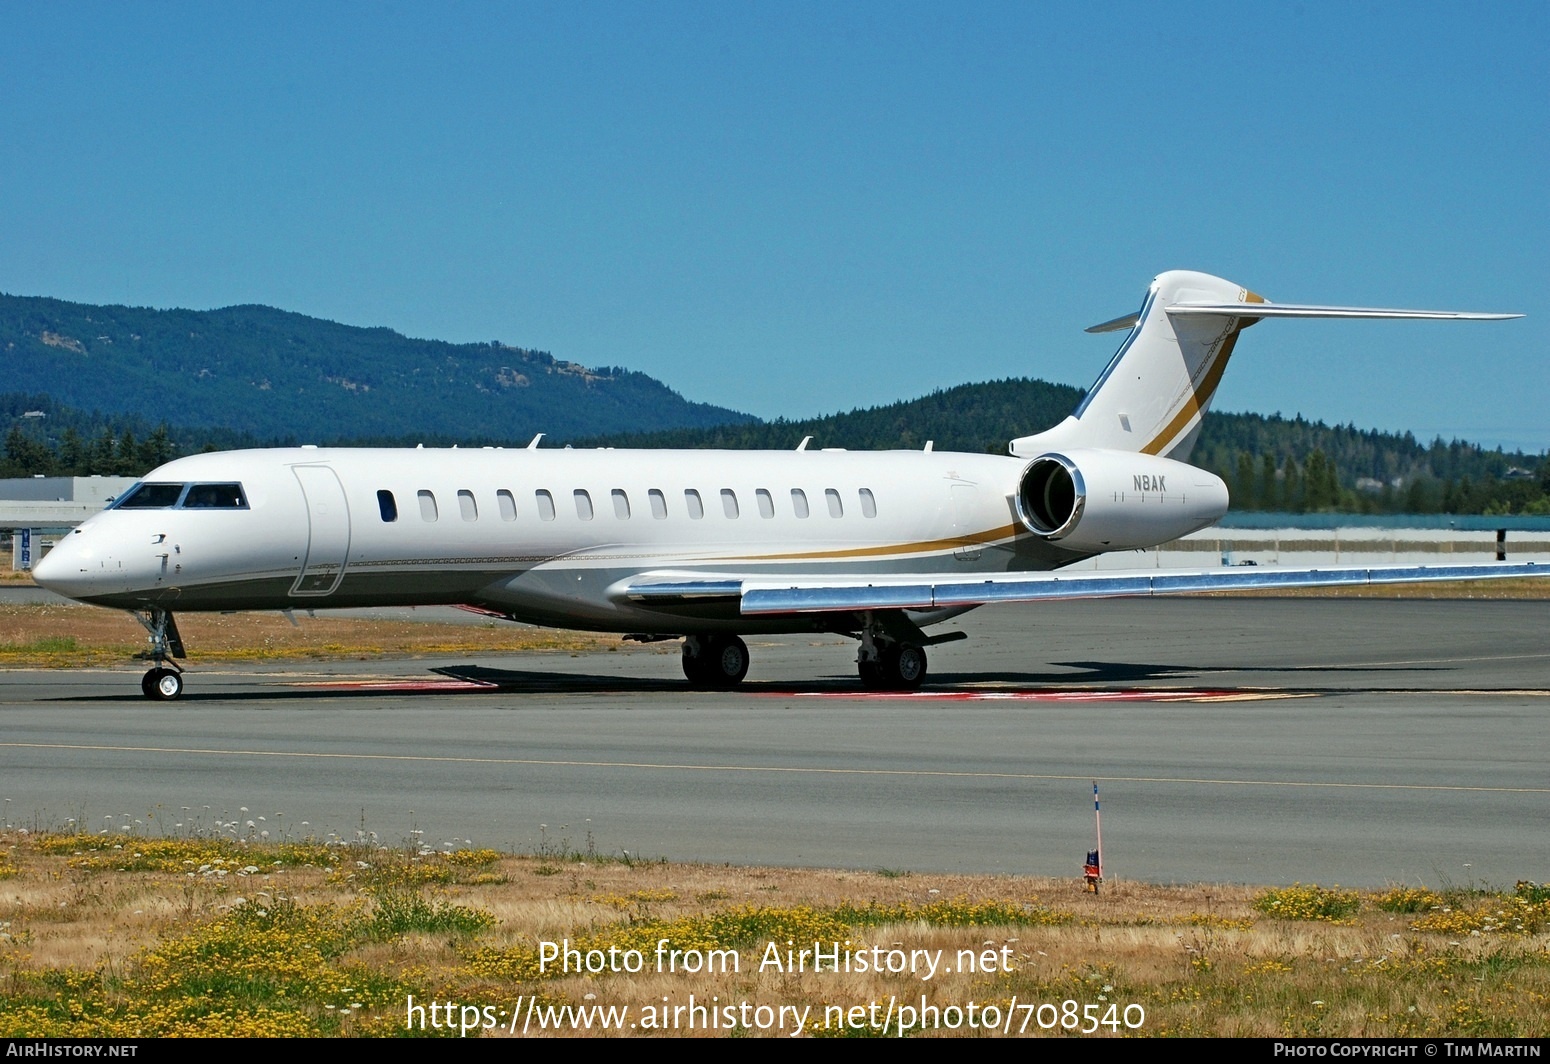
<point x="1340" y="546"/>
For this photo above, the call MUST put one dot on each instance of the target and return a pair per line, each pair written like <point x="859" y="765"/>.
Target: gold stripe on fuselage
<point x="975" y="539"/>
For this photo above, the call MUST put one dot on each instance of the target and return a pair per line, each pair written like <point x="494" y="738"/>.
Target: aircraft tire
<point x="722" y="661"/>
<point x="163" y="685"/>
<point x="728" y="661"/>
<point x="902" y="667"/>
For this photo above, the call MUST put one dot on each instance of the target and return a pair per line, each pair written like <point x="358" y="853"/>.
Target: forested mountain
<point x="275" y="375"/>
<point x="970" y="417"/>
<point x="1269" y="463"/>
<point x="164" y="383"/>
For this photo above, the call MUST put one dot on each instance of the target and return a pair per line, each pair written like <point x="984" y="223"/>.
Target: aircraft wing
<point x="792" y="594"/>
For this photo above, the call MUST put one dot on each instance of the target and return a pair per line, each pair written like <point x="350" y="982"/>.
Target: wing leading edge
<point x="924" y="592"/>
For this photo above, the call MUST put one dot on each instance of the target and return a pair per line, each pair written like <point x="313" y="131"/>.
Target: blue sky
<point x="796" y="208"/>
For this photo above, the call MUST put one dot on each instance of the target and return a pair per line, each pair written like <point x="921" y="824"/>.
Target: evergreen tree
<point x="126" y="460"/>
<point x="103" y="453"/>
<point x="1313" y="490"/>
<point x="1269" y="493"/>
<point x="1291" y="488"/>
<point x="26" y="455"/>
<point x="156" y="450"/>
<point x="72" y="453"/>
<point x="1245" y="492"/>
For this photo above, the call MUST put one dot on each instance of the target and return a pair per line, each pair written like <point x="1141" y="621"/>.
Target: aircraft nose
<point x="63" y="570"/>
<point x="52" y="567"/>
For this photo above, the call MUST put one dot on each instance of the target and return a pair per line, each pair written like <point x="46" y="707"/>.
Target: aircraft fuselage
<point x="547" y="536"/>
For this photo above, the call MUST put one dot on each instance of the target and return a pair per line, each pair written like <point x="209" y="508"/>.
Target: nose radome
<point x="61" y="570"/>
<point x="48" y="573"/>
<point x="51" y="566"/>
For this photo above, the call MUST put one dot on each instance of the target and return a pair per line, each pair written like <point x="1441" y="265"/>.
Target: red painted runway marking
<point x="398" y="685"/>
<point x="1134" y="695"/>
<point x="450" y="686"/>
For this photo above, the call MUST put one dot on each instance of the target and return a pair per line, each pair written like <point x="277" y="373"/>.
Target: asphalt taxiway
<point x="1249" y="740"/>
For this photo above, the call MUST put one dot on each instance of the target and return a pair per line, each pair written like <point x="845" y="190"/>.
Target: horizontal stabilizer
<point x="1124" y="321"/>
<point x="1153" y="395"/>
<point x="1307" y="310"/>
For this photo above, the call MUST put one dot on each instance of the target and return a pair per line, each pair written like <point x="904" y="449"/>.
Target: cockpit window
<point x="215" y="497"/>
<point x="150" y="497"/>
<point x="183" y="497"/>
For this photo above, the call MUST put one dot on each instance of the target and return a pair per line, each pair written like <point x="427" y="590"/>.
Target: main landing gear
<point x="893" y="666"/>
<point x="892" y="656"/>
<point x="164" y="681"/>
<point x="715" y="660"/>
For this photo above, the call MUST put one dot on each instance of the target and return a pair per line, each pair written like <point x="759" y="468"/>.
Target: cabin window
<point x="583" y="504"/>
<point x="868" y="503"/>
<point x="150" y="497"/>
<point x="836" y="508"/>
<point x="692" y="501"/>
<point x="766" y="503"/>
<point x="215" y="497"/>
<point x="621" y="504"/>
<point x="799" y="502"/>
<point x="508" y="505"/>
<point x="545" y="504"/>
<point x="729" y="502"/>
<point x="466" y="505"/>
<point x="658" y="504"/>
<point x="427" y="504"/>
<point x="388" y="506"/>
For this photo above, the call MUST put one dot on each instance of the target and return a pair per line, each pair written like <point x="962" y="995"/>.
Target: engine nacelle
<point x="1095" y="500"/>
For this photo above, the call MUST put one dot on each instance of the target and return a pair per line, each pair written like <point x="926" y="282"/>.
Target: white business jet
<point x="711" y="545"/>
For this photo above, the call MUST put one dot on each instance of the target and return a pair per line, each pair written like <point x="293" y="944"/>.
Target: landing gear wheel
<point x="898" y="667"/>
<point x="162" y="684"/>
<point x="907" y="667"/>
<point x="715" y="661"/>
<point x="730" y="661"/>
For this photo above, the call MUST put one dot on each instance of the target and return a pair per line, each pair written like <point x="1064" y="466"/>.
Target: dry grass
<point x="8" y="574"/>
<point x="120" y="935"/>
<point x="1523" y="587"/>
<point x="63" y="636"/>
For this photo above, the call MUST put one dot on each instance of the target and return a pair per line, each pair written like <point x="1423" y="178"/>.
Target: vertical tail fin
<point x="1156" y="389"/>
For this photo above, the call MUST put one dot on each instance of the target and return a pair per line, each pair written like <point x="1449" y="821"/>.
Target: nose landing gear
<point x="164" y="682"/>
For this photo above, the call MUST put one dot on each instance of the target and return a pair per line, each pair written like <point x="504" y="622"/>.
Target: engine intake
<point x="1051" y="496"/>
<point x="1093" y="500"/>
